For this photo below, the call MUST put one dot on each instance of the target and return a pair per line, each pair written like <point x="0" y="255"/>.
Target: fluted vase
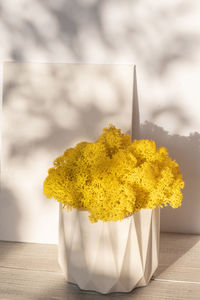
<point x="109" y="256"/>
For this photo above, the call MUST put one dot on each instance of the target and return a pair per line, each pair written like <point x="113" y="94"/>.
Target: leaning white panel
<point x="109" y="256"/>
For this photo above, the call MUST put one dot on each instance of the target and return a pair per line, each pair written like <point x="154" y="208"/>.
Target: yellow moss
<point x="113" y="177"/>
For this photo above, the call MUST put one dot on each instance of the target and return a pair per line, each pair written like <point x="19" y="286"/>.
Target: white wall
<point x="48" y="108"/>
<point x="161" y="37"/>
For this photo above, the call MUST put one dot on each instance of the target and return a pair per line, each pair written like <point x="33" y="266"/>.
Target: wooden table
<point x="30" y="271"/>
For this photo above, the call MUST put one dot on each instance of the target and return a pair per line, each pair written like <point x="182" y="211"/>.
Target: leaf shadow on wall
<point x="74" y="35"/>
<point x="44" y="117"/>
<point x="47" y="108"/>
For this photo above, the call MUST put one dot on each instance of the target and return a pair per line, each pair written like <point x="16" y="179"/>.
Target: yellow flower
<point x="113" y="177"/>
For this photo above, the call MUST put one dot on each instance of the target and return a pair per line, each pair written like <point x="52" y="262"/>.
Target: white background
<point x="162" y="38"/>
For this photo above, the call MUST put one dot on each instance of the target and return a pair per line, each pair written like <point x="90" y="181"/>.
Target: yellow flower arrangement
<point x="114" y="177"/>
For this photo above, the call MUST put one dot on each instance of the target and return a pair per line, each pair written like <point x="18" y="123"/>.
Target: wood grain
<point x="41" y="257"/>
<point x="50" y="285"/>
<point x="30" y="271"/>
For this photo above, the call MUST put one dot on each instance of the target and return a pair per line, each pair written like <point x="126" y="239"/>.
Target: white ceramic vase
<point x="109" y="256"/>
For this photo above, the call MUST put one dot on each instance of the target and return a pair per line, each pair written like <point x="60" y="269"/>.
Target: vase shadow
<point x="174" y="250"/>
<point x="186" y="151"/>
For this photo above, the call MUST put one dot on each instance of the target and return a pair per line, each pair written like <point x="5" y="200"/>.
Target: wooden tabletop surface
<point x="30" y="271"/>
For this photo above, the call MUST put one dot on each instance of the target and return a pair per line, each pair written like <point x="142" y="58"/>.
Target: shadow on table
<point x="173" y="247"/>
<point x="65" y="290"/>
